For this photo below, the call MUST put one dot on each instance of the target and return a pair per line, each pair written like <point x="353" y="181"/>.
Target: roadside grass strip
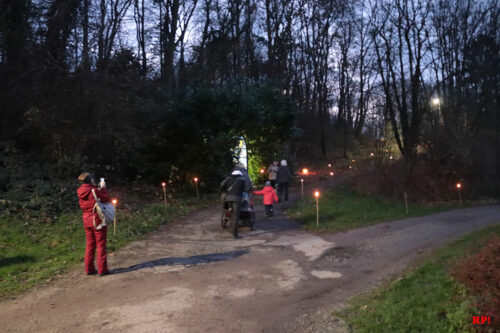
<point x="34" y="253"/>
<point x="427" y="299"/>
<point x="341" y="210"/>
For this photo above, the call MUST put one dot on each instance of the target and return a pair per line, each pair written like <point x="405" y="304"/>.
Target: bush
<point x="480" y="273"/>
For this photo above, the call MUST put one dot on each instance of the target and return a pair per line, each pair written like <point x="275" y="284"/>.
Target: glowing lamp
<point x="390" y="157"/>
<point x="195" y="179"/>
<point x="114" y="201"/>
<point x="301" y="180"/>
<point x="331" y="173"/>
<point x="261" y="170"/>
<point x="305" y="171"/>
<point x="459" y="186"/>
<point x="329" y="165"/>
<point x="435" y="101"/>
<point x="371" y="154"/>
<point x="316" y="194"/>
<point x="163" y="184"/>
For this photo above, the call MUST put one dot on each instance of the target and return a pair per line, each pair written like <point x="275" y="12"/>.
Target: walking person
<point x="269" y="198"/>
<point x="283" y="179"/>
<point x="95" y="239"/>
<point x="272" y="172"/>
<point x="244" y="172"/>
<point x="233" y="187"/>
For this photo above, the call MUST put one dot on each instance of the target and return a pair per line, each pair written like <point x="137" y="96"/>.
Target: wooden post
<point x="164" y="192"/>
<point x="406" y="202"/>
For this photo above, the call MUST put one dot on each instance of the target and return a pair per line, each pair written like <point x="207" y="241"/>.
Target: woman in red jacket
<point x="90" y="220"/>
<point x="269" y="197"/>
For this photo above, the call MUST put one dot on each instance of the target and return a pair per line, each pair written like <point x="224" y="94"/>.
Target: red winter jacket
<point x="269" y="195"/>
<point x="87" y="202"/>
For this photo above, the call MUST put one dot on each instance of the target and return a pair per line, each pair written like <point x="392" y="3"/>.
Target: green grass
<point x="425" y="300"/>
<point x="343" y="210"/>
<point x="35" y="252"/>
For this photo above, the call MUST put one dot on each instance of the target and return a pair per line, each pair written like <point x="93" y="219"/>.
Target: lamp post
<point x="459" y="187"/>
<point x="302" y="187"/>
<point x="114" y="202"/>
<point x="164" y="185"/>
<point x="316" y="195"/>
<point x="437" y="102"/>
<point x="195" y="179"/>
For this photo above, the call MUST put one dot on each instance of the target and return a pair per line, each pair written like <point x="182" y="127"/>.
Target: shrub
<point x="480" y="273"/>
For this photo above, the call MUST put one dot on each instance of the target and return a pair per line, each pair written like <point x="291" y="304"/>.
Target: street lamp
<point x="195" y="179"/>
<point x="164" y="185"/>
<point x="305" y="171"/>
<point x="316" y="195"/>
<point x="437" y="103"/>
<point x="302" y="187"/>
<point x="114" y="202"/>
<point x="459" y="187"/>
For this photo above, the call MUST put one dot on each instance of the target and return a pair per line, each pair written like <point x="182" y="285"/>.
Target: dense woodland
<point x="150" y="89"/>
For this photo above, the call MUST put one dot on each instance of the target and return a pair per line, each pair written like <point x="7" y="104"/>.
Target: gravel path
<point x="193" y="277"/>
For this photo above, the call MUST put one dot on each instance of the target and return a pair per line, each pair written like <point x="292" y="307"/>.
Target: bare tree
<point x="399" y="37"/>
<point x="111" y="14"/>
<point x="140" y="19"/>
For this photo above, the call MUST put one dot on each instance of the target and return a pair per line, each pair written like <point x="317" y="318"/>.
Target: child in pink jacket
<point x="269" y="197"/>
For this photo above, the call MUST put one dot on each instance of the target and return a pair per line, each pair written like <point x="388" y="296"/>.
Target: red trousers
<point x="96" y="238"/>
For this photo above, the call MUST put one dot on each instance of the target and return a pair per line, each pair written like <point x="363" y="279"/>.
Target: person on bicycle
<point x="233" y="187"/>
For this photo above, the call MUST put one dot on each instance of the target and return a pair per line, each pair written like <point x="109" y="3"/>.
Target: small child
<point x="269" y="198"/>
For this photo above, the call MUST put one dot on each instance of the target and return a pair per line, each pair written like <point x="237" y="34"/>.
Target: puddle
<point x="337" y="257"/>
<point x="185" y="261"/>
<point x="312" y="246"/>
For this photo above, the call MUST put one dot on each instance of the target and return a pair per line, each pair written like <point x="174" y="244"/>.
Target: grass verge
<point x="427" y="299"/>
<point x="35" y="252"/>
<point x="341" y="210"/>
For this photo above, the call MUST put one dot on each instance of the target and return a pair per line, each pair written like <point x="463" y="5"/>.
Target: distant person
<point x="233" y="188"/>
<point x="96" y="239"/>
<point x="272" y="172"/>
<point x="241" y="167"/>
<point x="283" y="179"/>
<point x="269" y="198"/>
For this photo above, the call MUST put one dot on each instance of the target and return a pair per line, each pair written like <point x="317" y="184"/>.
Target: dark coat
<point x="283" y="175"/>
<point x="244" y="172"/>
<point x="233" y="187"/>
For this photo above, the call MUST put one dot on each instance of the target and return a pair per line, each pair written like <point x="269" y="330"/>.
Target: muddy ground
<point x="191" y="276"/>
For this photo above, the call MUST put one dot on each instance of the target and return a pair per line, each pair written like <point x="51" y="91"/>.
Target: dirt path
<point x="193" y="277"/>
